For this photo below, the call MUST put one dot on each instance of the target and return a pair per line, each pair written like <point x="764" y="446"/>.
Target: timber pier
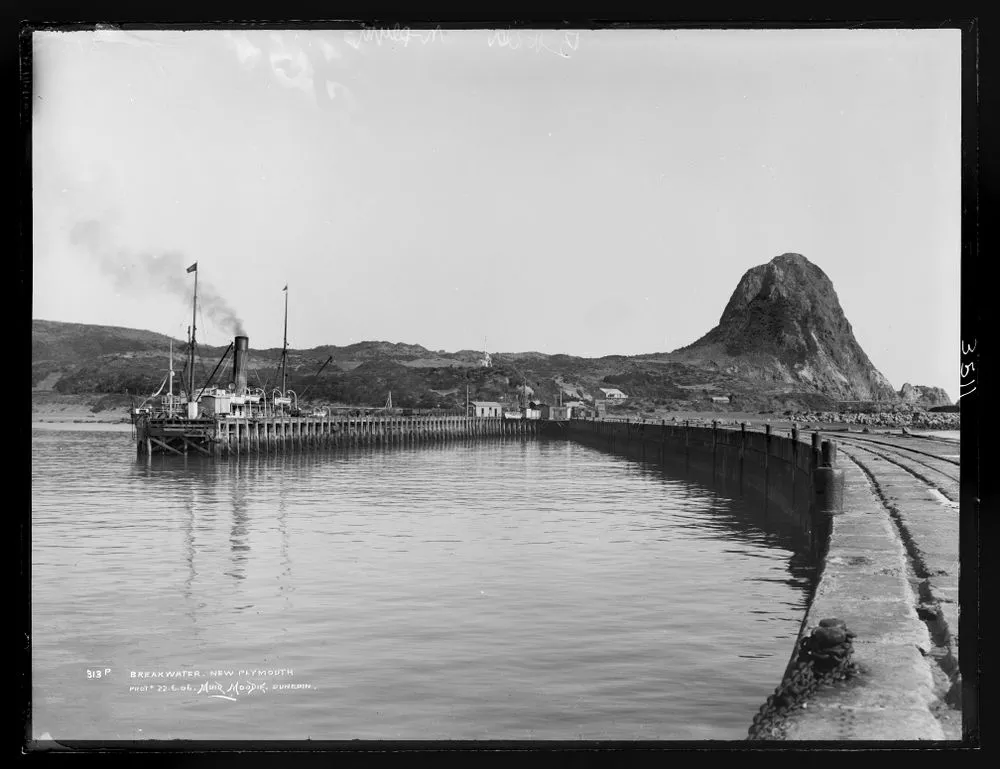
<point x="223" y="422"/>
<point x="225" y="436"/>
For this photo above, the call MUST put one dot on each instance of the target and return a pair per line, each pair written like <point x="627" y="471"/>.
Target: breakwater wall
<point x="794" y="474"/>
<point x="235" y="436"/>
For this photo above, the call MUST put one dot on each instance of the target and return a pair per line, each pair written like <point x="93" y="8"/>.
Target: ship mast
<point x="194" y="314"/>
<point x="170" y="388"/>
<point x="284" y="347"/>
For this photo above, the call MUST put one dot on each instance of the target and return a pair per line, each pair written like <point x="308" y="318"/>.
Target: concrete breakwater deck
<point x="223" y="437"/>
<point x="886" y="541"/>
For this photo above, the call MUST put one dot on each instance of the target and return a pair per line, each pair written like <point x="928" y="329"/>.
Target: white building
<point x="486" y="409"/>
<point x="612" y="394"/>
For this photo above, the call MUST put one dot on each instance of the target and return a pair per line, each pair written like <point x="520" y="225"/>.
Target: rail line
<point x="946" y="491"/>
<point x="866" y="439"/>
<point x="932" y="579"/>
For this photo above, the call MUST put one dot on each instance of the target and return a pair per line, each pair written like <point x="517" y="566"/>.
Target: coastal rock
<point x="784" y="324"/>
<point x="924" y="396"/>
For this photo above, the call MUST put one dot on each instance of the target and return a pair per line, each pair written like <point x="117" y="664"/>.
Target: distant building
<point x="512" y="415"/>
<point x="559" y="413"/>
<point x="720" y="399"/>
<point x="530" y="413"/>
<point x="486" y="409"/>
<point x="612" y="394"/>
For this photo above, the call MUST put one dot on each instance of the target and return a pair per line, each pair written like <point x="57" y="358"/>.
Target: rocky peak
<point x="784" y="323"/>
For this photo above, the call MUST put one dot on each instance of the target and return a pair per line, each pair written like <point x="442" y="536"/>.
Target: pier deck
<point x="226" y="436"/>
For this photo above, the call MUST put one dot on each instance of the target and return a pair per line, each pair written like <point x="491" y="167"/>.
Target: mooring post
<point x="767" y="444"/>
<point x="743" y="439"/>
<point x="817" y="440"/>
<point x="828" y="492"/>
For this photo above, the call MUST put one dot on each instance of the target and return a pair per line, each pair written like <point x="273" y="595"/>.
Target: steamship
<point x="174" y="422"/>
<point x="219" y="421"/>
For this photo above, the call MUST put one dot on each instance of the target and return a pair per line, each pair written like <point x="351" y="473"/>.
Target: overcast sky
<point x="586" y="193"/>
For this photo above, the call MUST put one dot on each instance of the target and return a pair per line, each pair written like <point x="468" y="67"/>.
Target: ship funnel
<point x="240" y="351"/>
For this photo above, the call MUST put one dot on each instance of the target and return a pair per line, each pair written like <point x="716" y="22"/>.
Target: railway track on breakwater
<point x="937" y="471"/>
<point x="903" y="443"/>
<point x="920" y="492"/>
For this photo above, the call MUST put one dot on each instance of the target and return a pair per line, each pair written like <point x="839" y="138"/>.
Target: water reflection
<point x="488" y="589"/>
<point x="189" y="551"/>
<point x="762" y="520"/>
<point x="239" y="545"/>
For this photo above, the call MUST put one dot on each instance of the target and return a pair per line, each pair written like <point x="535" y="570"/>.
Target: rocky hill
<point x="784" y="324"/>
<point x="782" y="343"/>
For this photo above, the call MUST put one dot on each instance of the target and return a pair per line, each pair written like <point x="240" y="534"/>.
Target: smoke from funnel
<point x="137" y="271"/>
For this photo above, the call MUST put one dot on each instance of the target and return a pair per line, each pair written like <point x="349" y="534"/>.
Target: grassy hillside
<point x="70" y="359"/>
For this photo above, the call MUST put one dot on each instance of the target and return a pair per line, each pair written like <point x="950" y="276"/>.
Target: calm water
<point x="521" y="589"/>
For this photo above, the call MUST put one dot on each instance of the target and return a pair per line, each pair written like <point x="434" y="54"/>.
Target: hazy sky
<point x="586" y="193"/>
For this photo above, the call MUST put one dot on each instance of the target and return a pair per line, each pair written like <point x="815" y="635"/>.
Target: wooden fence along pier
<point x="228" y="436"/>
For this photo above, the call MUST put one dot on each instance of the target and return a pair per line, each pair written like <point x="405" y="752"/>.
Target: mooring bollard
<point x="828" y="486"/>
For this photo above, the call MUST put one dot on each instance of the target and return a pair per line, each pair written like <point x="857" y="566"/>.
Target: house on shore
<point x="613" y="394"/>
<point x="720" y="399"/>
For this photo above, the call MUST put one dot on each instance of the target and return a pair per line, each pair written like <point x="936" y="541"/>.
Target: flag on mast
<point x="193" y="267"/>
<point x="285" y="288"/>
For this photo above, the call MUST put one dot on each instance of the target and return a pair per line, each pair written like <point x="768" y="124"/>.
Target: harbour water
<point x="501" y="589"/>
